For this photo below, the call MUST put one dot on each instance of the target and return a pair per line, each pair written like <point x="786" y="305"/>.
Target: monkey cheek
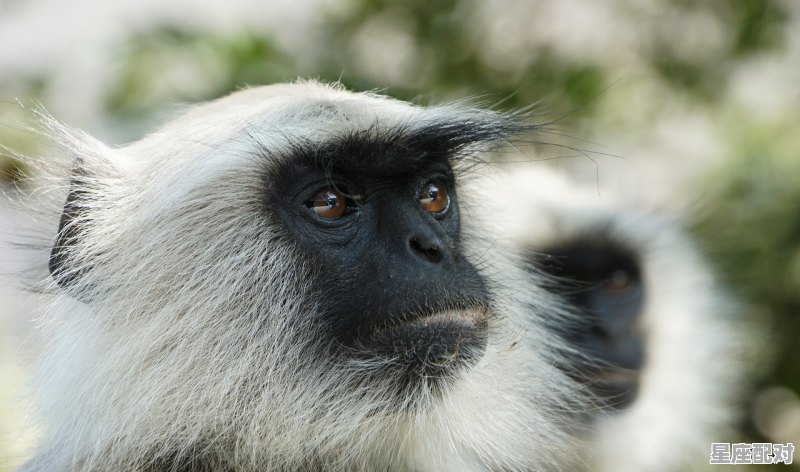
<point x="435" y="345"/>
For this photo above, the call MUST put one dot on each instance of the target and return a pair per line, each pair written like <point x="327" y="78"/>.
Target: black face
<point x="379" y="229"/>
<point x="604" y="281"/>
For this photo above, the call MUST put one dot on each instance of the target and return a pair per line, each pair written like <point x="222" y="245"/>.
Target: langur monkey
<point x="657" y="340"/>
<point x="290" y="278"/>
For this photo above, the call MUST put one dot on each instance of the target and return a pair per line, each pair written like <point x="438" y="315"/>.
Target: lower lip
<point x="465" y="317"/>
<point x="434" y="342"/>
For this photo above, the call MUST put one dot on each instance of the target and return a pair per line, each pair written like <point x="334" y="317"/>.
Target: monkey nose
<point x="428" y="248"/>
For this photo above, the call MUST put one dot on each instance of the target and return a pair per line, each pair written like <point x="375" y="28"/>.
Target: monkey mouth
<point x="434" y="343"/>
<point x="466" y="317"/>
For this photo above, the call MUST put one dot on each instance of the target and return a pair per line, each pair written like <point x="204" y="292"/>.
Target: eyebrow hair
<point x="389" y="149"/>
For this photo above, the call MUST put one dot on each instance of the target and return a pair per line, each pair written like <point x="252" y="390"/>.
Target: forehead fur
<point x="276" y="119"/>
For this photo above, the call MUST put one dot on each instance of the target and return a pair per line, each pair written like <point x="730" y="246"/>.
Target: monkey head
<point x="290" y="278"/>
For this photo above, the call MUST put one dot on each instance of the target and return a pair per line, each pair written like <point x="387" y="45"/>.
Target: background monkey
<point x="658" y="340"/>
<point x="287" y="279"/>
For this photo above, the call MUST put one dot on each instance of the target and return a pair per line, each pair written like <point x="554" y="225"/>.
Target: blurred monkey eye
<point x="329" y="204"/>
<point x="620" y="282"/>
<point x="434" y="197"/>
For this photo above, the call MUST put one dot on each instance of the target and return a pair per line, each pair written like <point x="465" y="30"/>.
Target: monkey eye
<point x="434" y="197"/>
<point x="330" y="203"/>
<point x="620" y="282"/>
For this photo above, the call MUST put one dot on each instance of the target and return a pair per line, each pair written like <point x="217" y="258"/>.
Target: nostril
<point x="430" y="250"/>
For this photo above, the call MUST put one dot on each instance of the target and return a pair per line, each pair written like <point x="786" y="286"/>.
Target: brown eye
<point x="434" y="197"/>
<point x="619" y="282"/>
<point x="329" y="204"/>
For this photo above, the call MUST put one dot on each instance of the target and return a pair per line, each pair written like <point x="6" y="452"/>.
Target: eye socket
<point x="329" y="204"/>
<point x="434" y="197"/>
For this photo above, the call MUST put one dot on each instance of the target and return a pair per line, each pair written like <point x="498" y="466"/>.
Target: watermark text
<point x="751" y="453"/>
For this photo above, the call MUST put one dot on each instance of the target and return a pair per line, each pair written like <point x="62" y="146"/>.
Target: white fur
<point x="696" y="342"/>
<point x="194" y="329"/>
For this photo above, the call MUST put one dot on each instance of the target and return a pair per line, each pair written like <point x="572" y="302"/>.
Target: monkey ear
<point x="89" y="165"/>
<point x="64" y="264"/>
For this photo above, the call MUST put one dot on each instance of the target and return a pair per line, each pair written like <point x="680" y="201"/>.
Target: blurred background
<point x="689" y="107"/>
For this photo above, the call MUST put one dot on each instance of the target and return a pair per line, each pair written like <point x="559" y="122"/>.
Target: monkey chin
<point x="433" y="346"/>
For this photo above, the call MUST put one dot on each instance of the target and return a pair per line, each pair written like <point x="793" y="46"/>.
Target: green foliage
<point x="753" y="230"/>
<point x="15" y="139"/>
<point x="170" y="64"/>
<point x="687" y="75"/>
<point x="209" y="66"/>
<point x="759" y="25"/>
<point x="443" y="36"/>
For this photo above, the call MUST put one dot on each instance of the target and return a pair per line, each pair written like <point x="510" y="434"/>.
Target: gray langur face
<point x="366" y="211"/>
<point x="375" y="215"/>
<point x="602" y="277"/>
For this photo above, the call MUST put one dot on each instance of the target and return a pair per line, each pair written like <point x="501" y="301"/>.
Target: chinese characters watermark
<point x="755" y="453"/>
